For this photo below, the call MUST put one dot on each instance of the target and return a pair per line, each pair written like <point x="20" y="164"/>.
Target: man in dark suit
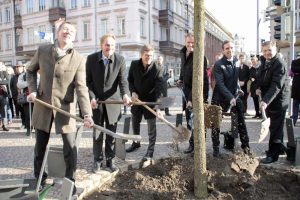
<point x="145" y="83"/>
<point x="105" y="77"/>
<point x="244" y="74"/>
<point x="225" y="92"/>
<point x="295" y="91"/>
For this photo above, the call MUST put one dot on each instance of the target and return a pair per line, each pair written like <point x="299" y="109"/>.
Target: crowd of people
<point x="68" y="79"/>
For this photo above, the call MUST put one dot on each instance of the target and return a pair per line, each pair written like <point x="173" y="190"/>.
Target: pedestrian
<point x="253" y="78"/>
<point x="186" y="79"/>
<point x="295" y="91"/>
<point x="14" y="90"/>
<point x="225" y="94"/>
<point x="62" y="72"/>
<point x="218" y="56"/>
<point x="244" y="74"/>
<point x="145" y="83"/>
<point x="105" y="77"/>
<point x="273" y="89"/>
<point x="166" y="76"/>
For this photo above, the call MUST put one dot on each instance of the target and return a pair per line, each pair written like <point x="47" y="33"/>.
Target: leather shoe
<point x="4" y="128"/>
<point x="268" y="160"/>
<point x="168" y="114"/>
<point x="110" y="164"/>
<point x="216" y="151"/>
<point x="97" y="166"/>
<point x="134" y="146"/>
<point x="189" y="150"/>
<point x="247" y="151"/>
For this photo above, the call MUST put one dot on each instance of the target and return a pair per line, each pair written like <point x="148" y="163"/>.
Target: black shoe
<point x="268" y="160"/>
<point x="134" y="146"/>
<point x="255" y="116"/>
<point x="4" y="128"/>
<point x="189" y="150"/>
<point x="110" y="164"/>
<point x="28" y="132"/>
<point x="146" y="158"/>
<point x="97" y="166"/>
<point x="168" y="114"/>
<point x="74" y="190"/>
<point x="216" y="152"/>
<point x="247" y="151"/>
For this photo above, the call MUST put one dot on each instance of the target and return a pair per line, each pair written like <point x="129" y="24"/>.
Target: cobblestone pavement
<point x="16" y="150"/>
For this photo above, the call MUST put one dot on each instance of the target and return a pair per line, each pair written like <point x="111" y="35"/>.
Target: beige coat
<point x="58" y="82"/>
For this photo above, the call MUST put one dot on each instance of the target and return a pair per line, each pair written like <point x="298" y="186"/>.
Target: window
<point x="103" y="26"/>
<point x="154" y="31"/>
<point x="29" y="5"/>
<point x="7" y="14"/>
<point x="17" y="9"/>
<point x="142" y="27"/>
<point x="163" y="33"/>
<point x="121" y="25"/>
<point x="30" y="36"/>
<point x="8" y="41"/>
<point x="86" y="3"/>
<point x="73" y="4"/>
<point x="42" y="5"/>
<point x="175" y="35"/>
<point x="1" y="48"/>
<point x="0" y="17"/>
<point x="86" y="30"/>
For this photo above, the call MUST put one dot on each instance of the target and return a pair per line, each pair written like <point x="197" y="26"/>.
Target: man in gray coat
<point x="106" y="80"/>
<point x="62" y="72"/>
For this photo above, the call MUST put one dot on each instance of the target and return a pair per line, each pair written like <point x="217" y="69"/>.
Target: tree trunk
<point x="200" y="175"/>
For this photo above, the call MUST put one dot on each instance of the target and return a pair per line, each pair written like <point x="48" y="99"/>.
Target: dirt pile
<point x="235" y="176"/>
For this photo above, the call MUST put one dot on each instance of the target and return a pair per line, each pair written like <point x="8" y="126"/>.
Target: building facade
<point x="26" y="24"/>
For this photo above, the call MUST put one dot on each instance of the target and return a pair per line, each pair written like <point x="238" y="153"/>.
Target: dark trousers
<point x="276" y="131"/>
<point x="164" y="92"/>
<point x="296" y="103"/>
<point x="26" y="114"/>
<point x="238" y="121"/>
<point x="11" y="106"/>
<point x="244" y="100"/>
<point x="100" y="117"/>
<point x="189" y="122"/>
<point x="3" y="105"/>
<point x="256" y="105"/>
<point x="17" y="107"/>
<point x="136" y="121"/>
<point x="69" y="150"/>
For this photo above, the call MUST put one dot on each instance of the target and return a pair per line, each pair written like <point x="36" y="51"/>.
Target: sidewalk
<point x="16" y="151"/>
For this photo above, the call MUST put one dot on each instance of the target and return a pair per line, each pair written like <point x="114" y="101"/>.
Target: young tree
<point x="200" y="175"/>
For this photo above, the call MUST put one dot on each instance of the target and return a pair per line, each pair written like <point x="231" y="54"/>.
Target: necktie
<point x="106" y="64"/>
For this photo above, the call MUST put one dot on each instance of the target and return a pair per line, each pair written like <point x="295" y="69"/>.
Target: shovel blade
<point x="182" y="134"/>
<point x="165" y="102"/>
<point x="264" y="129"/>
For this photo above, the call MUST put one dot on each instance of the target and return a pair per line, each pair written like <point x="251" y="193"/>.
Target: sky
<point x="239" y="17"/>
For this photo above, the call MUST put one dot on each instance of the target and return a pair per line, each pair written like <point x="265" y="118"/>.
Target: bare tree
<point x="200" y="175"/>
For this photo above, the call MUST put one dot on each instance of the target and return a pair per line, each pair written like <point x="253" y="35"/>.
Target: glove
<point x="88" y="121"/>
<point x="31" y="97"/>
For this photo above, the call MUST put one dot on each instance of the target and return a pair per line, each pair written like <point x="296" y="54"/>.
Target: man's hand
<point x="179" y="83"/>
<point x="233" y="102"/>
<point x="31" y="97"/>
<point x="258" y="92"/>
<point x="159" y="114"/>
<point x="189" y="104"/>
<point x="242" y="83"/>
<point x="126" y="100"/>
<point x="88" y="121"/>
<point x="263" y="105"/>
<point x="94" y="104"/>
<point x="134" y="96"/>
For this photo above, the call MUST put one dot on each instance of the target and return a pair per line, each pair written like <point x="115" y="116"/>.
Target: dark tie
<point x="106" y="64"/>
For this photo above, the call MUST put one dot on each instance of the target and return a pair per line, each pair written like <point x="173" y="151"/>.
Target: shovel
<point x="160" y="104"/>
<point x="104" y="130"/>
<point x="265" y="124"/>
<point x="183" y="133"/>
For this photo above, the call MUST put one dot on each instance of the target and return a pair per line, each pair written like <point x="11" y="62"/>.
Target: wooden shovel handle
<point x="162" y="119"/>
<point x="133" y="103"/>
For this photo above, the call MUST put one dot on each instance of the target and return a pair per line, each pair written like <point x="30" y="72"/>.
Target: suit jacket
<point x="146" y="83"/>
<point x="226" y="75"/>
<point x="113" y="87"/>
<point x="244" y="74"/>
<point x="58" y="82"/>
<point x="296" y="79"/>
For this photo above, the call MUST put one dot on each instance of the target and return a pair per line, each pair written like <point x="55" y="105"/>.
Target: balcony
<point x="168" y="47"/>
<point x="19" y="50"/>
<point x="56" y="13"/>
<point x="18" y="21"/>
<point x="166" y="17"/>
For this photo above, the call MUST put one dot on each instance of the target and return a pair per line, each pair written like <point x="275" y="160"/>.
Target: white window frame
<point x="8" y="41"/>
<point x="73" y="4"/>
<point x="142" y="27"/>
<point x="30" y="35"/>
<point x="103" y="26"/>
<point x="7" y="14"/>
<point x="121" y="25"/>
<point x="86" y="30"/>
<point x="42" y="5"/>
<point x="87" y="3"/>
<point x="29" y="6"/>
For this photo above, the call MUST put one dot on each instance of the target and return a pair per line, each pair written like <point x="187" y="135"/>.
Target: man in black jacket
<point x="273" y="89"/>
<point x="225" y="94"/>
<point x="295" y="90"/>
<point x="244" y="74"/>
<point x="145" y="83"/>
<point x="105" y="78"/>
<point x="186" y="79"/>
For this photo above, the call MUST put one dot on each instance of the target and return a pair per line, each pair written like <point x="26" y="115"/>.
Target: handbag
<point x="22" y="99"/>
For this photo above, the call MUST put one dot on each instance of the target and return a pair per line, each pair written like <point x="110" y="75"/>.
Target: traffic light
<point x="277" y="28"/>
<point x="282" y="26"/>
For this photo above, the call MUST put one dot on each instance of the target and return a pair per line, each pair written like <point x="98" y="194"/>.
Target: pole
<point x="292" y="43"/>
<point x="257" y="27"/>
<point x="95" y="15"/>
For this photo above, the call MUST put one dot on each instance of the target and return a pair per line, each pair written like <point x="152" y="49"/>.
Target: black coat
<point x="253" y="75"/>
<point x="146" y="83"/>
<point x="296" y="79"/>
<point x="226" y="76"/>
<point x="186" y="75"/>
<point x="273" y="83"/>
<point x="244" y="74"/>
<point x="113" y="87"/>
